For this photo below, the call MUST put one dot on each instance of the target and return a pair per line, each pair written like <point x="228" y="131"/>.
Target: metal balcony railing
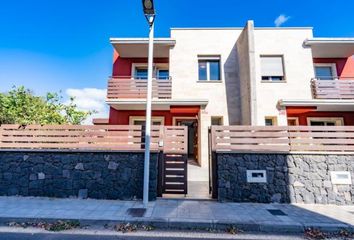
<point x="333" y="88"/>
<point x="132" y="88"/>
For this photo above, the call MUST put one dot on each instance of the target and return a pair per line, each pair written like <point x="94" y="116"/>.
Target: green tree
<point x="21" y="106"/>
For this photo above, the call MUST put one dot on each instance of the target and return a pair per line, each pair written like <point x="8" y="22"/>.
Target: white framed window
<point x="162" y="73"/>
<point x="175" y="120"/>
<point x="293" y="121"/>
<point x="140" y="120"/>
<point x="217" y="121"/>
<point x="209" y="68"/>
<point x="271" y="121"/>
<point x="341" y="178"/>
<point x="140" y="71"/>
<point x="272" y="68"/>
<point x="325" y="71"/>
<point x="311" y="121"/>
<point x="256" y="176"/>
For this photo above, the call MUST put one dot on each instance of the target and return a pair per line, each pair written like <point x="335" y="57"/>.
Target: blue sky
<point x="64" y="44"/>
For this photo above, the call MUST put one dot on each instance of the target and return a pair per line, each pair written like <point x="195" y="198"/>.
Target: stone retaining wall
<point x="99" y="175"/>
<point x="291" y="178"/>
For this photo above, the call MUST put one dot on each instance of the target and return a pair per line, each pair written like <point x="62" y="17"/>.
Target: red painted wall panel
<point x="347" y="116"/>
<point x="348" y="70"/>
<point x="121" y="117"/>
<point x="345" y="66"/>
<point x="123" y="66"/>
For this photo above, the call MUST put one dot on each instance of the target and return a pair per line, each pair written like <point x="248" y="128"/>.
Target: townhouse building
<point x="233" y="76"/>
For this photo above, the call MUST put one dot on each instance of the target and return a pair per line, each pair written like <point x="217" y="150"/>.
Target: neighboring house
<point x="233" y="76"/>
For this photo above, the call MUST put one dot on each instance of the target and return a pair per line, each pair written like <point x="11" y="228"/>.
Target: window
<point x="163" y="74"/>
<point x="322" y="123"/>
<point x="160" y="71"/>
<point x="141" y="73"/>
<point x="216" y="121"/>
<point x="325" y="71"/>
<point x="293" y="121"/>
<point x="270" y="121"/>
<point x="325" y="121"/>
<point x="141" y="121"/>
<point x="209" y="69"/>
<point x="272" y="68"/>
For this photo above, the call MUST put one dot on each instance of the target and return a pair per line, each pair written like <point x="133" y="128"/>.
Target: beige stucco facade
<point x="223" y="96"/>
<point x="240" y="97"/>
<point x="298" y="67"/>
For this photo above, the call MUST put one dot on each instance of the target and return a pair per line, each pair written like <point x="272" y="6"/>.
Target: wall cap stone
<point x="73" y="151"/>
<point x="286" y="153"/>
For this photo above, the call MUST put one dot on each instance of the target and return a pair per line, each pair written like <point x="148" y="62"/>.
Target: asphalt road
<point x="183" y="236"/>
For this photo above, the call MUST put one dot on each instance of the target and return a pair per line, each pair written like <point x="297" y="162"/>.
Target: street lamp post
<point x="149" y="12"/>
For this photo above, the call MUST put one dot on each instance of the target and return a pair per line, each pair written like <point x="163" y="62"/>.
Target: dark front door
<point x="192" y="125"/>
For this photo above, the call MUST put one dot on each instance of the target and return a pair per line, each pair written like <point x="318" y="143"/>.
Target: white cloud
<point x="281" y="20"/>
<point x="90" y="99"/>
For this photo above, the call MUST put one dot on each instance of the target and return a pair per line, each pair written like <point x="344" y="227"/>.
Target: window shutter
<point x="272" y="66"/>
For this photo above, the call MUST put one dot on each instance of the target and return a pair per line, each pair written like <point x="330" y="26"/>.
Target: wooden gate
<point x="173" y="161"/>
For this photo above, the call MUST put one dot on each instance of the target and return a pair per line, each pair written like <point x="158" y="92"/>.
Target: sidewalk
<point x="183" y="214"/>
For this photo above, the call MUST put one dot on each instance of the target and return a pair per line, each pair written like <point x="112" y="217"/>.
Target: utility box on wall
<point x="256" y="176"/>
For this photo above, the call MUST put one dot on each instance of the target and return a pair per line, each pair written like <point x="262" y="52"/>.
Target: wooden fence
<point x="282" y="139"/>
<point x="101" y="137"/>
<point x="137" y="88"/>
<point x="175" y="140"/>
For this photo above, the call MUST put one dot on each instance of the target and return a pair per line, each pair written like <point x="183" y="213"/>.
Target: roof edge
<point x="159" y="101"/>
<point x="167" y="41"/>
<point x="239" y="28"/>
<point x="309" y="102"/>
<point x="312" y="41"/>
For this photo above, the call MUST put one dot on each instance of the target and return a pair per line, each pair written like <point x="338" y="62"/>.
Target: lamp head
<point x="148" y="6"/>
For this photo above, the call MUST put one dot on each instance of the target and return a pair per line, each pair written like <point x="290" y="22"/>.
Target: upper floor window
<point x="163" y="73"/>
<point x="325" y="71"/>
<point x="272" y="68"/>
<point x="209" y="69"/>
<point x="140" y="71"/>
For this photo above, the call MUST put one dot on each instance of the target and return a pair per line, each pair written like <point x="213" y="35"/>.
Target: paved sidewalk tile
<point x="185" y="213"/>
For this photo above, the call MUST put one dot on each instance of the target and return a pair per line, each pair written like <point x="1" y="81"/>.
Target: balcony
<point x="333" y="88"/>
<point x="132" y="88"/>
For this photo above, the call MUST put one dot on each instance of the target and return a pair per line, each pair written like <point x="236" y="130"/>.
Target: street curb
<point x="190" y="224"/>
